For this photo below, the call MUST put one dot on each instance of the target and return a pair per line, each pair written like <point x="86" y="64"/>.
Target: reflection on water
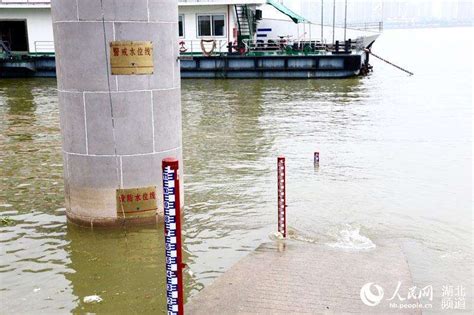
<point x="21" y="111"/>
<point x="125" y="268"/>
<point x="395" y="164"/>
<point x="33" y="242"/>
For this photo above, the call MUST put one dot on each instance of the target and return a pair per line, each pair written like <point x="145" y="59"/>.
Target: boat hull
<point x="280" y="67"/>
<point x="227" y="66"/>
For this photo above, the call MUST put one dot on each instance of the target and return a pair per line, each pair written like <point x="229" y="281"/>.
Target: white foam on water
<point x="455" y="255"/>
<point x="23" y="185"/>
<point x="189" y="271"/>
<point x="302" y="238"/>
<point x="276" y="236"/>
<point x="293" y="234"/>
<point x="92" y="299"/>
<point x="350" y="238"/>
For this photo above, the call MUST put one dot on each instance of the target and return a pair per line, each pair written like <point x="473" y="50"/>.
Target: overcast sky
<point x="376" y="10"/>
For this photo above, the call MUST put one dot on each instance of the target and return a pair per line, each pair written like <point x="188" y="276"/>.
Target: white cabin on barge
<point x="26" y="25"/>
<point x="205" y="26"/>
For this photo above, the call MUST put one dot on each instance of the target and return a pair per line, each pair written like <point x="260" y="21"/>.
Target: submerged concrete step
<point x="291" y="277"/>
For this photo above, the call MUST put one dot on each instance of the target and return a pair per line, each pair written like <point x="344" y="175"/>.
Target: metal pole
<point x="304" y="33"/>
<point x="310" y="24"/>
<point x="322" y="21"/>
<point x="316" y="159"/>
<point x="281" y="187"/>
<point x="345" y="19"/>
<point x="333" y="19"/>
<point x="382" y="11"/>
<point x="172" y="227"/>
<point x="297" y="32"/>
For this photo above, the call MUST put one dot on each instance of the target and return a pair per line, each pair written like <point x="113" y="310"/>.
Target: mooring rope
<point x="203" y="48"/>
<point x="398" y="67"/>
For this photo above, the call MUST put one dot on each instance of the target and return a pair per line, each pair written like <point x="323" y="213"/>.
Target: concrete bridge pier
<point x="119" y="100"/>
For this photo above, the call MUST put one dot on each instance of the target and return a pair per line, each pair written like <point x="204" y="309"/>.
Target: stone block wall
<point x="116" y="128"/>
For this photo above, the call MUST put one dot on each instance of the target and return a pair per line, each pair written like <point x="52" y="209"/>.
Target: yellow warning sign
<point x="130" y="57"/>
<point x="136" y="201"/>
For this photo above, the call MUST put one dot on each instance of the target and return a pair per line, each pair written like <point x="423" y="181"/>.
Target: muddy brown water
<point x="396" y="164"/>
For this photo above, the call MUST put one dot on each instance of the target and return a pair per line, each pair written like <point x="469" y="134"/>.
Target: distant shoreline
<point x="396" y="25"/>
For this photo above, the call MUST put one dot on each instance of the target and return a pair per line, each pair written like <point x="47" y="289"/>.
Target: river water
<point x="396" y="164"/>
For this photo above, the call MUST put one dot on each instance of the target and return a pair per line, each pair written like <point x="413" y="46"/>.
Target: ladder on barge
<point x="246" y="23"/>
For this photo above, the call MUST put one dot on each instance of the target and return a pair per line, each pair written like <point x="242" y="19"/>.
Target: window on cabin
<point x="181" y="25"/>
<point x="211" y="25"/>
<point x="218" y="25"/>
<point x="204" y="25"/>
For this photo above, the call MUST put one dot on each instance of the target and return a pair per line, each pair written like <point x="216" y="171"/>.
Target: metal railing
<point x="288" y="45"/>
<point x="192" y="1"/>
<point x="25" y="1"/>
<point x="369" y="26"/>
<point x="49" y="1"/>
<point x="5" y="46"/>
<point x="44" y="46"/>
<point x="221" y="1"/>
<point x="206" y="47"/>
<point x="5" y="51"/>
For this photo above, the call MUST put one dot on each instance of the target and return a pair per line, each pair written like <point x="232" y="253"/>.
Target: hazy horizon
<point x="393" y="11"/>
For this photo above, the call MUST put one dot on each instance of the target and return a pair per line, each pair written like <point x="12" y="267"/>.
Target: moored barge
<point x="217" y="39"/>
